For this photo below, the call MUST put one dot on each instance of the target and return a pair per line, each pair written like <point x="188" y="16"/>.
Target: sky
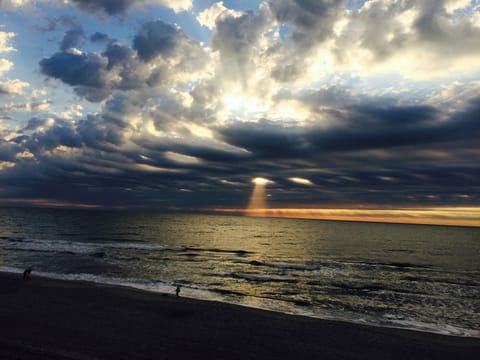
<point x="356" y="110"/>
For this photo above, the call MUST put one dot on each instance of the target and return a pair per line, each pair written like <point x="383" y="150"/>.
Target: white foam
<point x="78" y="247"/>
<point x="442" y="329"/>
<point x="11" y="270"/>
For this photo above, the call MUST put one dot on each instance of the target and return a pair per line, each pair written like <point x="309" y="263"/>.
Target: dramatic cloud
<point x="120" y="7"/>
<point x="423" y="38"/>
<point x="82" y="69"/>
<point x="209" y="16"/>
<point x="72" y="37"/>
<point x="161" y="53"/>
<point x="158" y="39"/>
<point x="339" y="104"/>
<point x="235" y="38"/>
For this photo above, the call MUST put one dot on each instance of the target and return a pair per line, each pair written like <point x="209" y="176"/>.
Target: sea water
<point x="412" y="276"/>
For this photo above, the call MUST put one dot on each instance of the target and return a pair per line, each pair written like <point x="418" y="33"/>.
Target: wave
<point x="336" y="264"/>
<point x="283" y="265"/>
<point x="78" y="247"/>
<point x="227" y="292"/>
<point x="442" y="280"/>
<point x="393" y="264"/>
<point x="216" y="250"/>
<point x="97" y="248"/>
<point x="259" y="278"/>
<point x="446" y="329"/>
<point x="358" y="289"/>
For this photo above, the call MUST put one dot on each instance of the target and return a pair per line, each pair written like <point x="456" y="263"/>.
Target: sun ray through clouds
<point x="257" y="205"/>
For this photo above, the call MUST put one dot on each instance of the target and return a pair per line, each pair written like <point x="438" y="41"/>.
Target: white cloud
<point x="39" y="92"/>
<point x="13" y="87"/>
<point x="418" y="40"/>
<point x="5" y="65"/>
<point x="73" y="111"/>
<point x="209" y="16"/>
<point x="5" y="41"/>
<point x="175" y="5"/>
<point x="455" y="5"/>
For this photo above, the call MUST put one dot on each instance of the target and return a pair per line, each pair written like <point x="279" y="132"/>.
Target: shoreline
<point x="58" y="319"/>
<point x="419" y="327"/>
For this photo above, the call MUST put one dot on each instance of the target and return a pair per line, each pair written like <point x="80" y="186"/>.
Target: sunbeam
<point x="257" y="205"/>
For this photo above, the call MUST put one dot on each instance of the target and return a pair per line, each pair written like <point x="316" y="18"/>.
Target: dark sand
<point x="48" y="319"/>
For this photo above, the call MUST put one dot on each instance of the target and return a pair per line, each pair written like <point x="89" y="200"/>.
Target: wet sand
<point x="50" y="319"/>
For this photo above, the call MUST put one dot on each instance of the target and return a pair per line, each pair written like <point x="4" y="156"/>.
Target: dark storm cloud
<point x="110" y="7"/>
<point x="99" y="37"/>
<point x="35" y="123"/>
<point x="93" y="94"/>
<point x="123" y="60"/>
<point x="159" y="53"/>
<point x="97" y="133"/>
<point x="75" y="69"/>
<point x="72" y="37"/>
<point x="92" y="70"/>
<point x="8" y="150"/>
<point x="61" y="133"/>
<point x="156" y="38"/>
<point x="366" y="157"/>
<point x="85" y="72"/>
<point x="106" y="131"/>
<point x="267" y="139"/>
<point x="356" y="128"/>
<point x="204" y="150"/>
<point x="103" y="131"/>
<point x="307" y="16"/>
<point x="397" y="126"/>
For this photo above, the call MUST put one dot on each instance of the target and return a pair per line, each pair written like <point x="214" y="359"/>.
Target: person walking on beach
<point x="177" y="291"/>
<point x="27" y="274"/>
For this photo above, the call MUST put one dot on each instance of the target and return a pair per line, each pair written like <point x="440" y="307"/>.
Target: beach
<point x="51" y="319"/>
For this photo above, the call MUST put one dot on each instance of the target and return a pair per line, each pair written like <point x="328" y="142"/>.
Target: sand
<point x="50" y="319"/>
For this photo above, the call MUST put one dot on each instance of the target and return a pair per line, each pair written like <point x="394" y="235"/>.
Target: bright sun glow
<point x="238" y="104"/>
<point x="261" y="181"/>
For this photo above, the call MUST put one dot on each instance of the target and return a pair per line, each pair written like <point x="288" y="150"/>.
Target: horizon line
<point x="446" y="216"/>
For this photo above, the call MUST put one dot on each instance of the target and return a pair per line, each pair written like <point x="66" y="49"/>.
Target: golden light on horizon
<point x="452" y="216"/>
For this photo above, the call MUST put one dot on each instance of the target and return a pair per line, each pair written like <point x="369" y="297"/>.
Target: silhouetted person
<point x="177" y="291"/>
<point x="27" y="274"/>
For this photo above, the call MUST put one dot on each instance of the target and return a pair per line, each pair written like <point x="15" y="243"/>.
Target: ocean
<point x="418" y="277"/>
